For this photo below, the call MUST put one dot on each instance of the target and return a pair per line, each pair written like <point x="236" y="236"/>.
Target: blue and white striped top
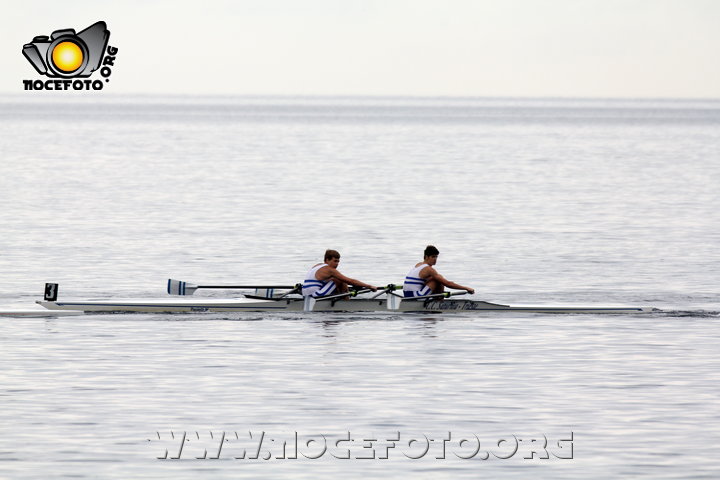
<point x="414" y="286"/>
<point x="312" y="287"/>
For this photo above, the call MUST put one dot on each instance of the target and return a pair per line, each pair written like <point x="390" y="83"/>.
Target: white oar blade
<point x="393" y="302"/>
<point x="308" y="304"/>
<point x="177" y="287"/>
<point x="265" y="292"/>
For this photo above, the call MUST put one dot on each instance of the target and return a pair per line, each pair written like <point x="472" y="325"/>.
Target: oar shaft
<point x="389" y="288"/>
<point x="178" y="287"/>
<point x="245" y="286"/>
<point x="351" y="293"/>
<point x="433" y="295"/>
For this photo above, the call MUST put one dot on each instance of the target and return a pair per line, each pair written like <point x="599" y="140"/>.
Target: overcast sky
<point x="566" y="48"/>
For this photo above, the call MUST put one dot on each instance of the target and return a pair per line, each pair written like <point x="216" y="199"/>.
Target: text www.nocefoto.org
<point x="261" y="445"/>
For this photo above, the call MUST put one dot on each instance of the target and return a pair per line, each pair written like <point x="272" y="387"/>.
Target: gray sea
<point x="530" y="201"/>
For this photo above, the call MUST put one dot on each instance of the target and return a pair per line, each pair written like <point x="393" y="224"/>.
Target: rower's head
<point x="332" y="258"/>
<point x="431" y="255"/>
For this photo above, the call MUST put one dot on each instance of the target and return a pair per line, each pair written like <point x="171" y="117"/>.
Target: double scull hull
<point x="294" y="305"/>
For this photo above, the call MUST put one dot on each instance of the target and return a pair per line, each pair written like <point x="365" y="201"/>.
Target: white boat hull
<point x="39" y="313"/>
<point x="294" y="305"/>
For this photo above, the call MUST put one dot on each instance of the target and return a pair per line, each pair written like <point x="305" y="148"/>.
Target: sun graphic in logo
<point x="67" y="56"/>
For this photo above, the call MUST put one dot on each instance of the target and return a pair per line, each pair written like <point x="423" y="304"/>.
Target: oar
<point x="178" y="287"/>
<point x="389" y="288"/>
<point x="296" y="289"/>
<point x="394" y="300"/>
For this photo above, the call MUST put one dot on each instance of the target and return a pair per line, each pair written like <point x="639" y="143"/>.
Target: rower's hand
<point x="471" y="291"/>
<point x="374" y="289"/>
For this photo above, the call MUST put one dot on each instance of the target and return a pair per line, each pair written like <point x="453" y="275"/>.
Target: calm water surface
<point x="530" y="201"/>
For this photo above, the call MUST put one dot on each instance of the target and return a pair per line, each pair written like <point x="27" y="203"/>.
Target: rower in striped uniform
<point x="324" y="279"/>
<point x="425" y="280"/>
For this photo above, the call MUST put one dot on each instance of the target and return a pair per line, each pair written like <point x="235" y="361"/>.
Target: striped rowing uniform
<point x="312" y="287"/>
<point x="415" y="286"/>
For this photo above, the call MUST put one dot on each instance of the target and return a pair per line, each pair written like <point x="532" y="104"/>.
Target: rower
<point x="324" y="279"/>
<point x="424" y="280"/>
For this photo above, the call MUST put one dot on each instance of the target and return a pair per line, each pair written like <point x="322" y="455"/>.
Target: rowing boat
<point x="270" y="301"/>
<point x="297" y="305"/>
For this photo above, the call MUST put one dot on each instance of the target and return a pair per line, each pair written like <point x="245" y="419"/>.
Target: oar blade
<point x="393" y="301"/>
<point x="178" y="287"/>
<point x="309" y="304"/>
<point x="265" y="292"/>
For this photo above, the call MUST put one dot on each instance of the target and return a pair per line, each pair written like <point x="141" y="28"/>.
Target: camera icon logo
<point x="67" y="54"/>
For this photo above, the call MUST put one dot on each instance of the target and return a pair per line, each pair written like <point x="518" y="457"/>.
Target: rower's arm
<point x="444" y="281"/>
<point x="335" y="274"/>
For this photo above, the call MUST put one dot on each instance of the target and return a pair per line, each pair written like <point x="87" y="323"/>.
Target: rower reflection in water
<point x="324" y="279"/>
<point x="425" y="280"/>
